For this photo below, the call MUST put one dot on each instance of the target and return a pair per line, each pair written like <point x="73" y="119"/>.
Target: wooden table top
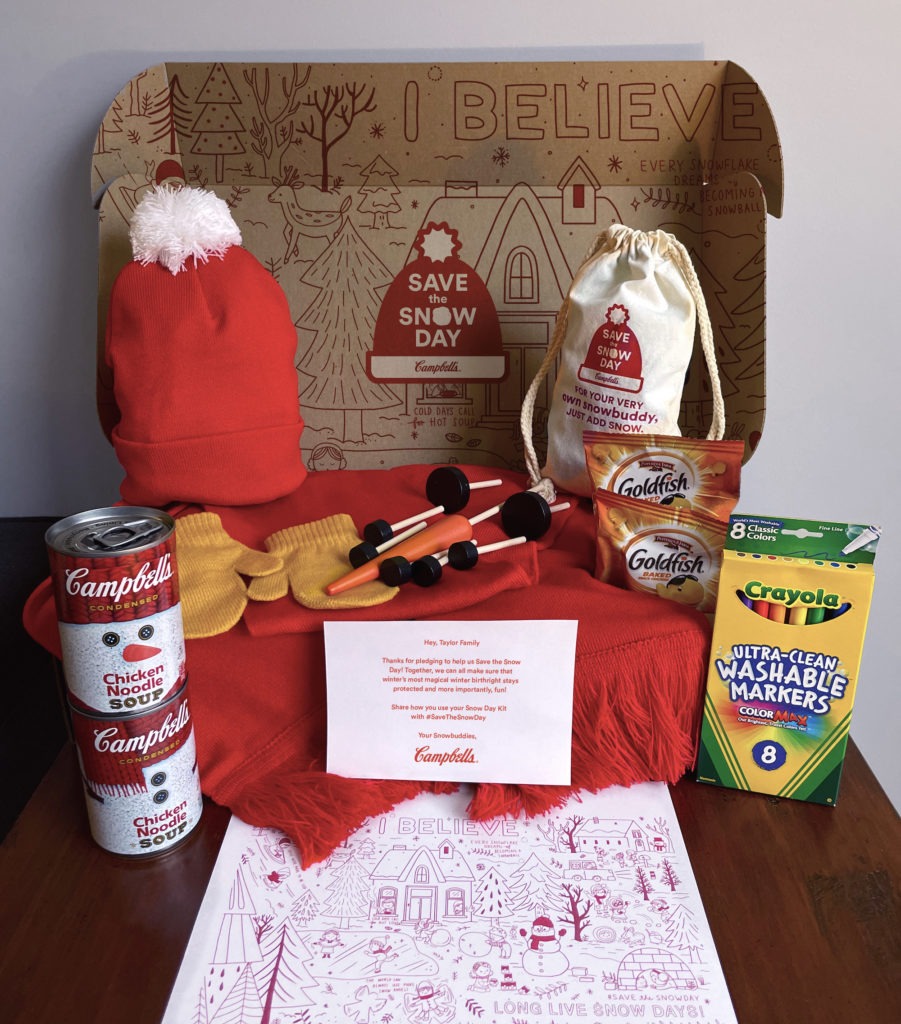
<point x="803" y="902"/>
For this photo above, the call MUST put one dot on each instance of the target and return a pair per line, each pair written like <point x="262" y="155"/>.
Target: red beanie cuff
<point x="246" y="467"/>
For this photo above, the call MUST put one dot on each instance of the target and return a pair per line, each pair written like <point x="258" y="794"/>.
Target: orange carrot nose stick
<point x="434" y="538"/>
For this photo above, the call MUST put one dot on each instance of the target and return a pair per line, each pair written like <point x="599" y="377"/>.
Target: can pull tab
<point x="122" y="534"/>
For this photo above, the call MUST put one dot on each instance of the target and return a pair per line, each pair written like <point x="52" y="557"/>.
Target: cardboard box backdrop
<point x="426" y="220"/>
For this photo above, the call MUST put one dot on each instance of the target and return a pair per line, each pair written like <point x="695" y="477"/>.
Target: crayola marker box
<point x="791" y="613"/>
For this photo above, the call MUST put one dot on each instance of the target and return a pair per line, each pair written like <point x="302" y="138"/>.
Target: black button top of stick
<point x="362" y="553"/>
<point x="448" y="486"/>
<point x="462" y="554"/>
<point x="377" y="532"/>
<point x="426" y="571"/>
<point x="395" y="571"/>
<point x="526" y="514"/>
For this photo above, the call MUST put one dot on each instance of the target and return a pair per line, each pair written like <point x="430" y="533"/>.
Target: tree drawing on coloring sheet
<point x="426" y="916"/>
<point x="339" y="322"/>
<point x="348" y="893"/>
<point x="283" y="978"/>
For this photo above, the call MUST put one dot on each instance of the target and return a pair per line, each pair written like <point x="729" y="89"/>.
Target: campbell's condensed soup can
<point x="140" y="777"/>
<point x="115" y="584"/>
<point x="116" y="588"/>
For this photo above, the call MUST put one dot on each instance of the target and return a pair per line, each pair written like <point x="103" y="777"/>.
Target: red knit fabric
<point x="259" y="701"/>
<point x="204" y="377"/>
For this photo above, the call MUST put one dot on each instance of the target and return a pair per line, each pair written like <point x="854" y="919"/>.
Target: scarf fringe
<point x="317" y="810"/>
<point x="636" y="716"/>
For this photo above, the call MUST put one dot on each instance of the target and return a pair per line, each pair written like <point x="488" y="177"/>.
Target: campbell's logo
<point x="111" y="741"/>
<point x="147" y="576"/>
<point x="456" y="756"/>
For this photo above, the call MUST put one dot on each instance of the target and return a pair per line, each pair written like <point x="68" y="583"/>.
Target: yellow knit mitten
<point x="314" y="555"/>
<point x="210" y="567"/>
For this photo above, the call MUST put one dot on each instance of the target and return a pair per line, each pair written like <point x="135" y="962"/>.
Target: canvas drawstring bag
<point x="624" y="336"/>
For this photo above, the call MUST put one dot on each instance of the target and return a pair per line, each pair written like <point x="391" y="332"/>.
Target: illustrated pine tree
<point x="643" y="883"/>
<point x="283" y="977"/>
<point x="334" y="110"/>
<point x="530" y="882"/>
<point x="379" y="192"/>
<point x="493" y="898"/>
<point x="218" y="126"/>
<point x="110" y="125"/>
<point x="170" y="114"/>
<point x="682" y="934"/>
<point x="341" y="320"/>
<point x="304" y="906"/>
<point x="348" y="892"/>
<point x="669" y="875"/>
<point x="242" y="1004"/>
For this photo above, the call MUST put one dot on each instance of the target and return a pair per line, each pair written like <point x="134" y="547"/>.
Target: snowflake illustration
<point x="501" y="156"/>
<point x="614" y="164"/>
<point x="377" y="130"/>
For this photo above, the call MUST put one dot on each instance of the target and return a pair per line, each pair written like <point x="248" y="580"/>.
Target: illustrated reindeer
<point x="300" y="220"/>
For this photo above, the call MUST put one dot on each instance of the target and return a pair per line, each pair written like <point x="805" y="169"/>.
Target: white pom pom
<point x="171" y="225"/>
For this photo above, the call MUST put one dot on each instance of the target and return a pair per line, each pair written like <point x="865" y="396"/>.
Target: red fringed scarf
<point x="258" y="697"/>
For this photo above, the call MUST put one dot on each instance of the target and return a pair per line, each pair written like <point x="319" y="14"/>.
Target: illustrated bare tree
<point x="335" y="108"/>
<point x="170" y="114"/>
<point x="572" y="906"/>
<point x="275" y="130"/>
<point x="568" y="832"/>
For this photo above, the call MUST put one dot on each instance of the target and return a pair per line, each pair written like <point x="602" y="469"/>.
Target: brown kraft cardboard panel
<point x="425" y="222"/>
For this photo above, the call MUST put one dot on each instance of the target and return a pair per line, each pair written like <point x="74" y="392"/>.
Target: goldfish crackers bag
<point x="682" y="472"/>
<point x="672" y="552"/>
<point x="785" y="654"/>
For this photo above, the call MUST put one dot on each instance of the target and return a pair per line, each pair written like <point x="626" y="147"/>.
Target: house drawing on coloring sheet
<point x="615" y="835"/>
<point x="422" y="885"/>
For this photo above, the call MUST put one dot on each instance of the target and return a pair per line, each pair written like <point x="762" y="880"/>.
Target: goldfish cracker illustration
<point x="787" y="640"/>
<point x="672" y="552"/>
<point x="681" y="472"/>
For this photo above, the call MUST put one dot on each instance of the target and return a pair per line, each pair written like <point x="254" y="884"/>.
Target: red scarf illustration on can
<point x="613" y="359"/>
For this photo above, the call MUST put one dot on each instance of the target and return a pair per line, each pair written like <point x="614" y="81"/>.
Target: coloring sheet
<point x="589" y="913"/>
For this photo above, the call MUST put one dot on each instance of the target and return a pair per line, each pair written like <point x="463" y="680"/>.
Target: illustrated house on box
<point x="512" y="242"/>
<point x="578" y="190"/>
<point x="422" y="885"/>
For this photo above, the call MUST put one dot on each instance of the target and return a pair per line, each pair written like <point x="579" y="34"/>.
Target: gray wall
<point x="829" y="70"/>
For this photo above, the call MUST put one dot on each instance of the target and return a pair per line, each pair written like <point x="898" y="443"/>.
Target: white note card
<point x="451" y="701"/>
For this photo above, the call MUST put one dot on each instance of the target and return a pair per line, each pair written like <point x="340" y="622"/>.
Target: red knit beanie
<point x="201" y="344"/>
